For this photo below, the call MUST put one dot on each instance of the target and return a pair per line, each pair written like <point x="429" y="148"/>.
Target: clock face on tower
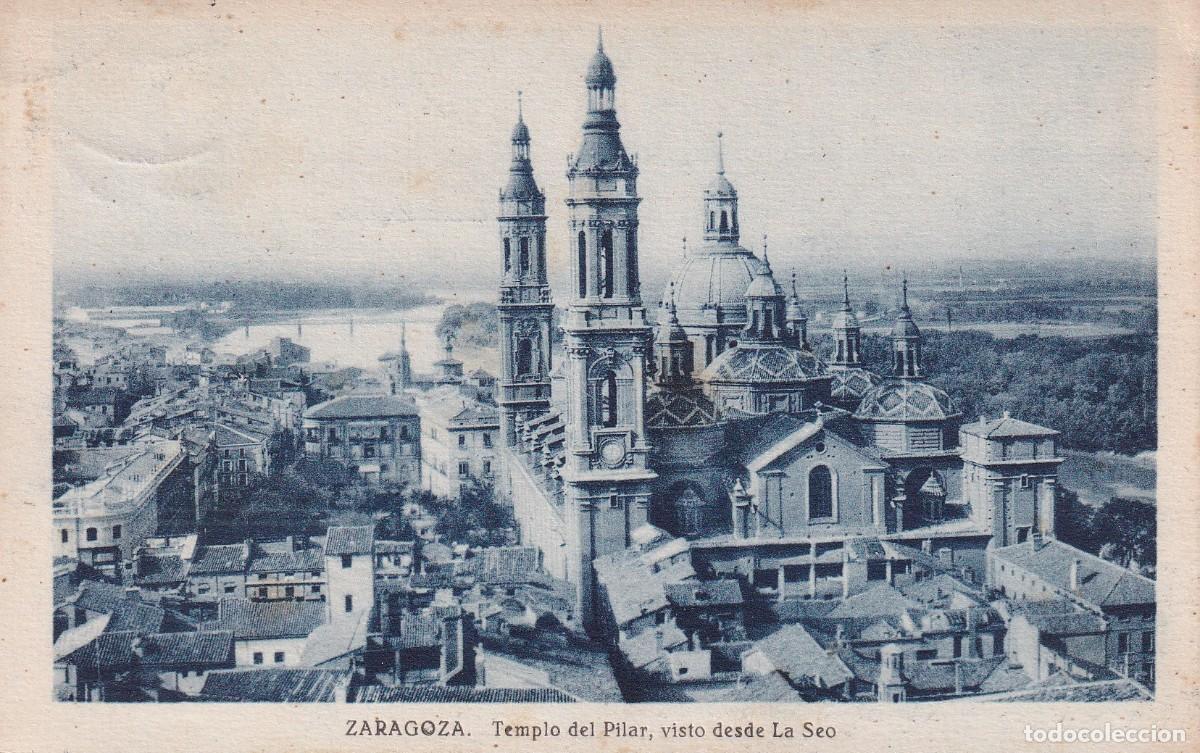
<point x="612" y="452"/>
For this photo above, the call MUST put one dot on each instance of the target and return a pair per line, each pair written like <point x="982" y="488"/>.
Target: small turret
<point x="764" y="305"/>
<point x="797" y="322"/>
<point x="847" y="335"/>
<point x="672" y="349"/>
<point x="906" y="341"/>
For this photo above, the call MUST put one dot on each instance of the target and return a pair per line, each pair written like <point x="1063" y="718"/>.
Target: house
<point x="377" y="436"/>
<point x="242" y="454"/>
<point x="1045" y="569"/>
<point x="268" y="632"/>
<point x="128" y="665"/>
<point x="349" y="557"/>
<point x="806" y="665"/>
<point x="458" y="440"/>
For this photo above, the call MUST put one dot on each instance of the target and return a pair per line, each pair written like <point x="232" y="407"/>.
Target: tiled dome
<point x="852" y="384"/>
<point x="904" y="400"/>
<point x="764" y="364"/>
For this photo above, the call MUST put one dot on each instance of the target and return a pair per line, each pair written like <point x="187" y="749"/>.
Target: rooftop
<point x="798" y="656"/>
<point x="444" y="694"/>
<point x="1101" y="583"/>
<point x="349" y="540"/>
<point x="1006" y="426"/>
<point x="250" y="620"/>
<point x="274" y="685"/>
<point x="362" y="406"/>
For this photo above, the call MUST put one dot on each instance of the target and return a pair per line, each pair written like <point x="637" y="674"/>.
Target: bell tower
<point x="526" y="308"/>
<point x="606" y="478"/>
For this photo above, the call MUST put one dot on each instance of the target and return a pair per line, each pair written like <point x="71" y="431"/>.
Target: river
<point x="358" y="337"/>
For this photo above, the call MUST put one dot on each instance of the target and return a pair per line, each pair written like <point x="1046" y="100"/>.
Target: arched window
<point x="608" y="399"/>
<point x="900" y="362"/>
<point x="541" y="255"/>
<point x="606" y="264"/>
<point x="735" y="219"/>
<point x="507" y="255"/>
<point x="524" y="257"/>
<point x="841" y="350"/>
<point x="712" y="220"/>
<point x="524" y="356"/>
<point x="582" y="264"/>
<point x="724" y="221"/>
<point x="820" y="492"/>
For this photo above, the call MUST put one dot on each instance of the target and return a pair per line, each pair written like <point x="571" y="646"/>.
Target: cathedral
<point x="806" y="474"/>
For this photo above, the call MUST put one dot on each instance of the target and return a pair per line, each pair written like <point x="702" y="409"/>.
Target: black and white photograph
<point x="604" y="355"/>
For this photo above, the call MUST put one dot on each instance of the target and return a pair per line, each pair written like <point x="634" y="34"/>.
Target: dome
<point x="600" y="70"/>
<point x="521" y="185"/>
<point x="905" y="400"/>
<point x="669" y="408"/>
<point x="905" y="326"/>
<point x="520" y="131"/>
<point x="715" y="275"/>
<point x="720" y="187"/>
<point x="669" y="329"/>
<point x="843" y="319"/>
<point x="764" y="364"/>
<point x="763" y="285"/>
<point x="850" y="385"/>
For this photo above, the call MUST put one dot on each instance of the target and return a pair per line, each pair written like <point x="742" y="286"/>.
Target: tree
<point x="1128" y="531"/>
<point x="1073" y="520"/>
<point x="475" y="517"/>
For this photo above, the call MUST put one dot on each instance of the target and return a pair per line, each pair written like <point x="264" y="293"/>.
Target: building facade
<point x="459" y="440"/>
<point x="377" y="436"/>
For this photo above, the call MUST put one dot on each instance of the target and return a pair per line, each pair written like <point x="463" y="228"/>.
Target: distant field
<point x="1099" y="476"/>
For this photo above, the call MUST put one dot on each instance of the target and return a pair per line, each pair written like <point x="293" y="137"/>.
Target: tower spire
<point x="845" y="291"/>
<point x="904" y="293"/>
<point x="766" y="261"/>
<point x="600" y="38"/>
<point x="520" y="114"/>
<point x="720" y="155"/>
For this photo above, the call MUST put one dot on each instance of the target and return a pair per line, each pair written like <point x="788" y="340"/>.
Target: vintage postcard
<point x="628" y="376"/>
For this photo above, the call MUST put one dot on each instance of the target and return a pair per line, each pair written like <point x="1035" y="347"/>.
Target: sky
<point x="230" y="146"/>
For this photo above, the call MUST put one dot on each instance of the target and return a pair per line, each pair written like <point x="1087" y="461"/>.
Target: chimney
<point x="133" y="593"/>
<point x="958" y="678"/>
<point x="247" y="548"/>
<point x="291" y="543"/>
<point x="137" y="648"/>
<point x="1073" y="575"/>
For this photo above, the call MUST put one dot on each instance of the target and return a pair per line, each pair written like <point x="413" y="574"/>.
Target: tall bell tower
<point x="606" y="478"/>
<point x="526" y="308"/>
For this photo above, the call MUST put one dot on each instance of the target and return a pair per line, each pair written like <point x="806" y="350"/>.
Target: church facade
<point x="805" y="474"/>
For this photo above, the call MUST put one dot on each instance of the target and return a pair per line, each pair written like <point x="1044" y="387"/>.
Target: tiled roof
<point x="308" y="559"/>
<point x="419" y="631"/>
<point x="1059" y="617"/>
<point x="136" y="616"/>
<point x="208" y="648"/>
<point x="108" y="651"/>
<point x="851" y="384"/>
<point x="269" y="619"/>
<point x="1103" y="691"/>
<point x="228" y="436"/>
<point x="671" y="408"/>
<point x="95" y="596"/>
<point x="219" y="558"/>
<point x="881" y="600"/>
<point x="273" y="685"/>
<point x="1101" y="583"/>
<point x="708" y="593"/>
<point x="363" y="406"/>
<point x="444" y="694"/>
<point x="764" y="364"/>
<point x="349" y="540"/>
<point x="1006" y="427"/>
<point x="768" y="688"/>
<point x="161" y="569"/>
<point x="905" y="400"/>
<point x="506" y="564"/>
<point x="933" y="677"/>
<point x="793" y="652"/>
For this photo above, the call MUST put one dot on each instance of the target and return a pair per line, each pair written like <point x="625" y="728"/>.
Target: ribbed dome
<point x="905" y="400"/>
<point x="714" y="275"/>
<point x="764" y="364"/>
